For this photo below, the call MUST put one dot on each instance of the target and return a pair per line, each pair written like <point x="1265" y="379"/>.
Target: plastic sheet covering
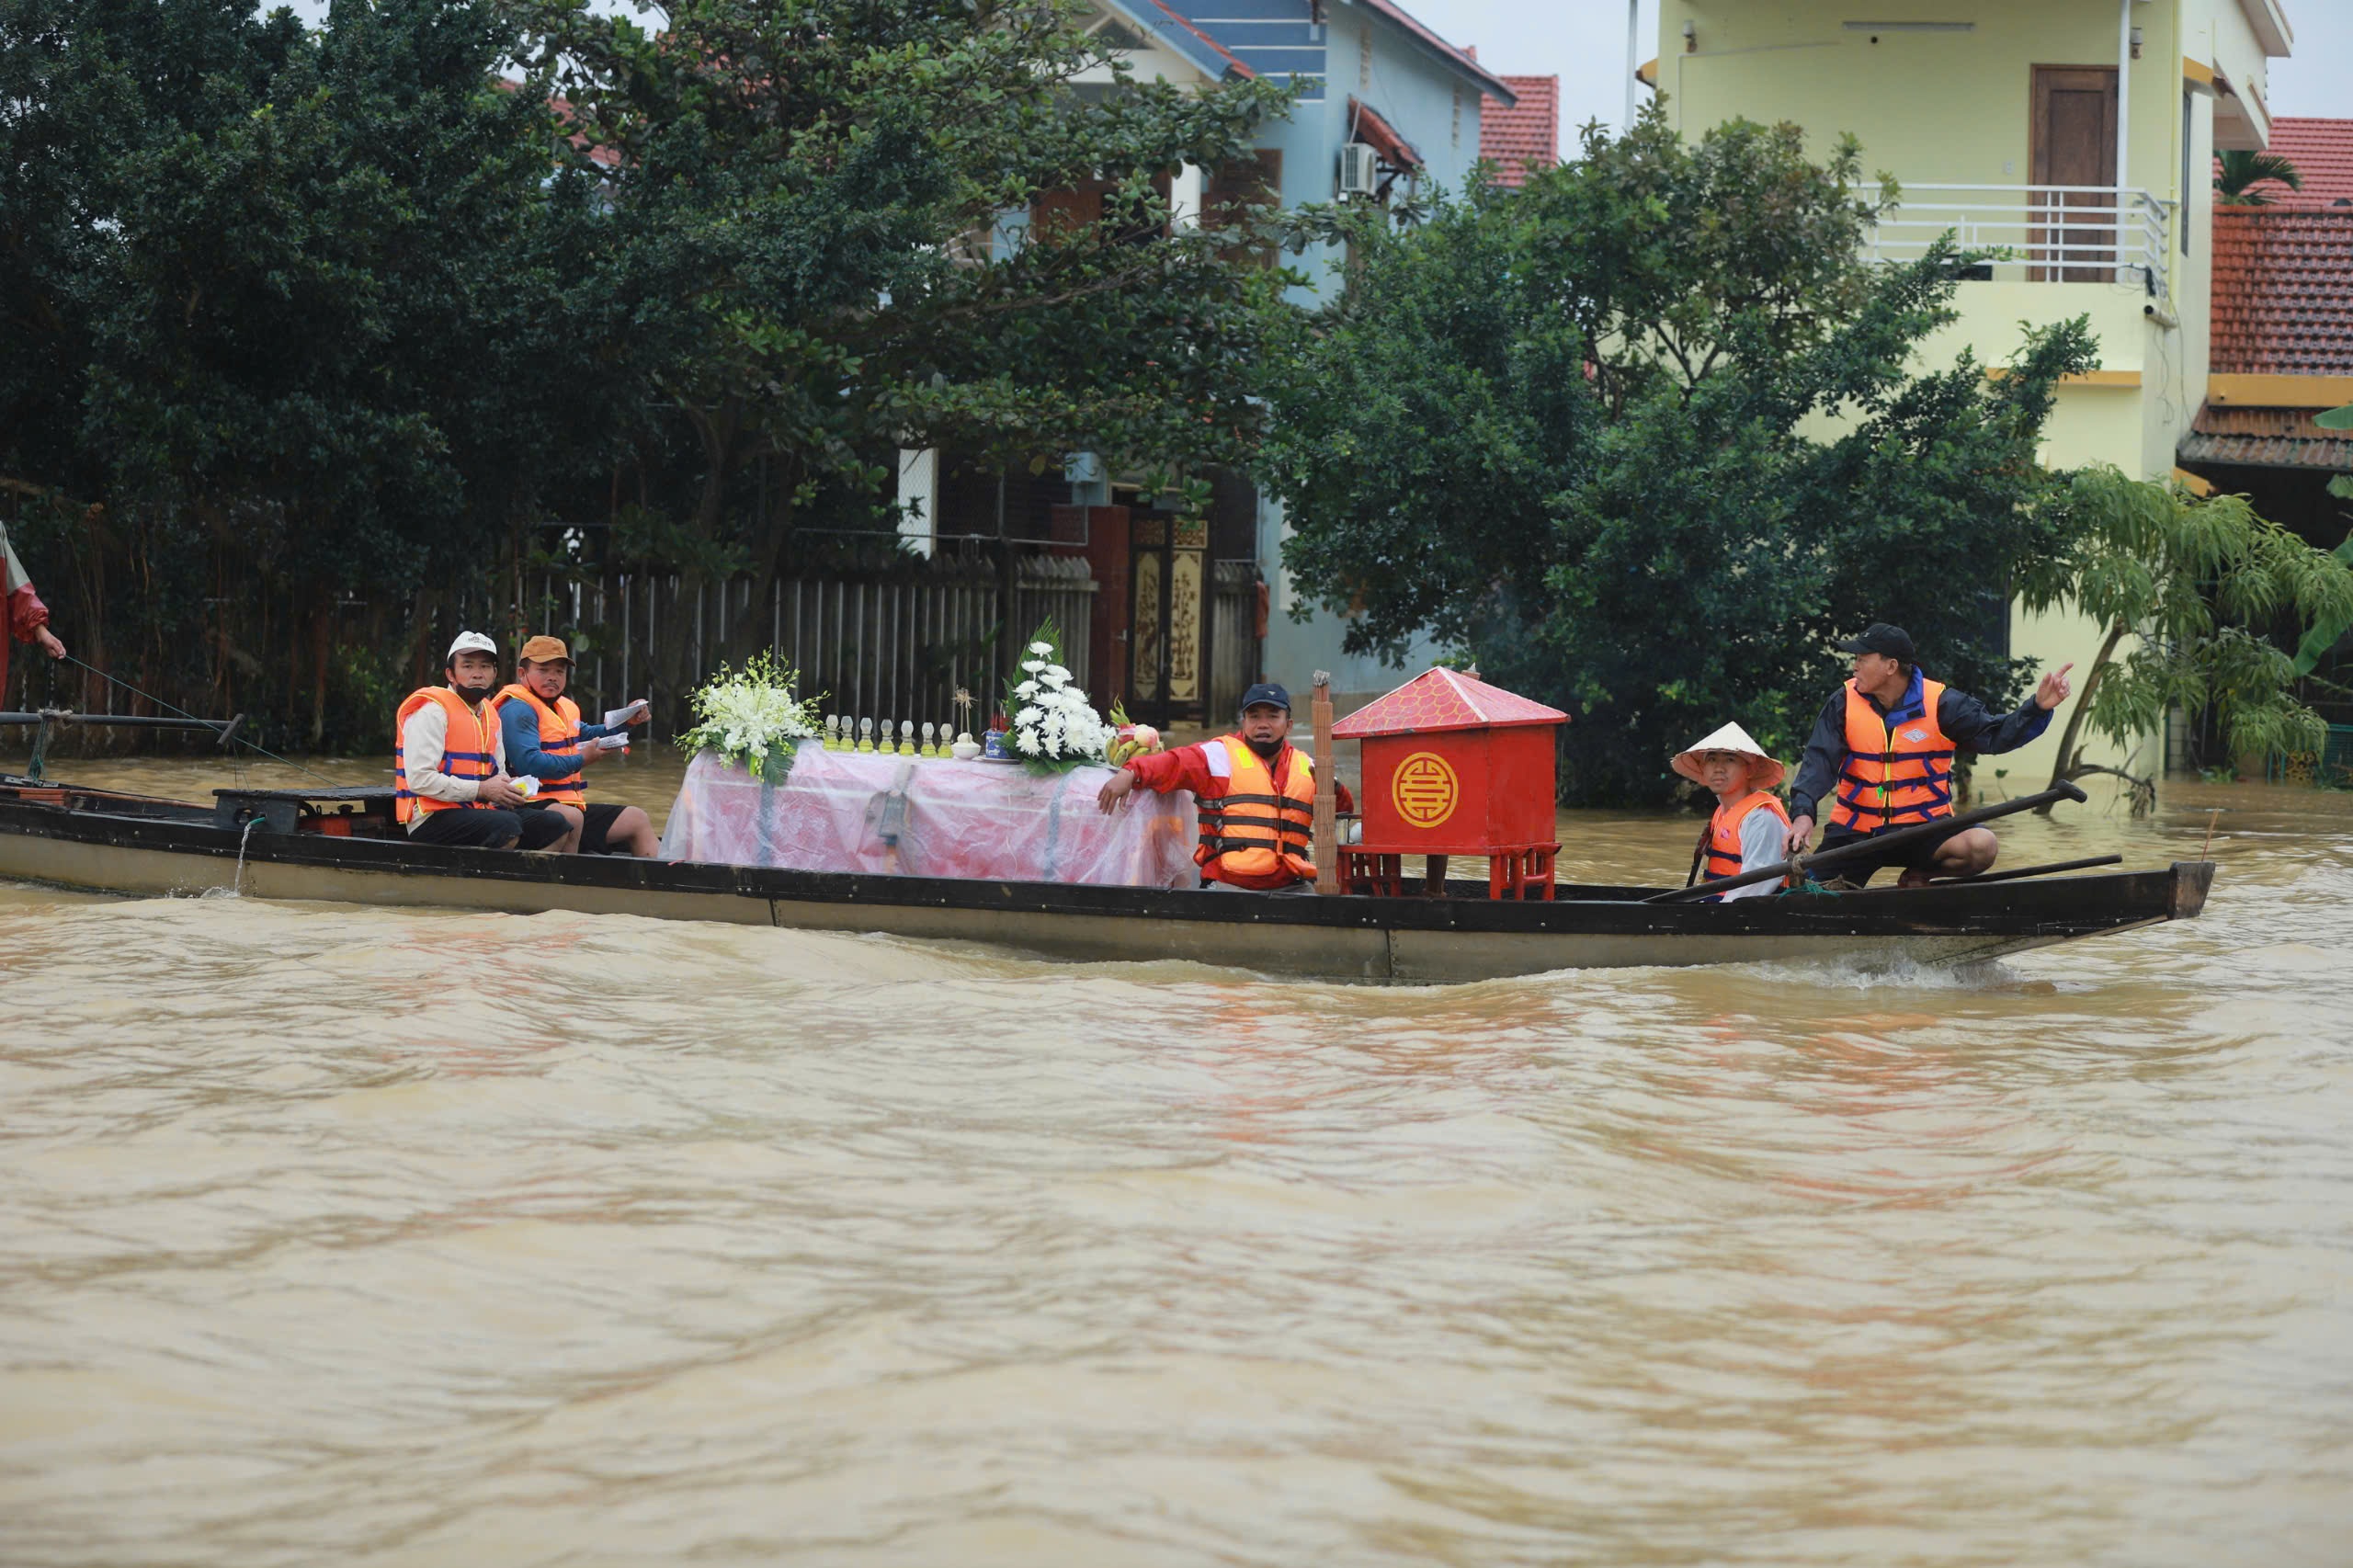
<point x="917" y="817"/>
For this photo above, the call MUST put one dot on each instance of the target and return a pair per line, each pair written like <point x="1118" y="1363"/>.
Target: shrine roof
<point x="1444" y="699"/>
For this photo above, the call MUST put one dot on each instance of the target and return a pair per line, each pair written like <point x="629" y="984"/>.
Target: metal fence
<point x="893" y="648"/>
<point x="2067" y="233"/>
<point x="2331" y="767"/>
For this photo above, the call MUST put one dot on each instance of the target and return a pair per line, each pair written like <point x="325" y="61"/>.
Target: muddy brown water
<point x="335" y="1234"/>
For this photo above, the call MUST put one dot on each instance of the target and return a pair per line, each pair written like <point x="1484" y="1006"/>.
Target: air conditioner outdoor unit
<point x="1359" y="170"/>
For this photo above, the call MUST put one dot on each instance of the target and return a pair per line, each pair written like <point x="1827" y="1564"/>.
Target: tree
<point x="293" y="324"/>
<point x="2242" y="172"/>
<point x="812" y="255"/>
<point x="1644" y="437"/>
<point x="2182" y="588"/>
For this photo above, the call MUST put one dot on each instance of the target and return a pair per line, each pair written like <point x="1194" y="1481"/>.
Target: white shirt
<point x="426" y="735"/>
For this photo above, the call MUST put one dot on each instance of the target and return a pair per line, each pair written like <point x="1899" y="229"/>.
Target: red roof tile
<point x="1525" y="137"/>
<point x="2265" y="438"/>
<point x="2283" y="292"/>
<point x="1377" y="133"/>
<point x="1443" y="700"/>
<point x="2322" y="151"/>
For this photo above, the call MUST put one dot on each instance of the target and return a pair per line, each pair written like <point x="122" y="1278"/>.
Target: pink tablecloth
<point x="840" y="811"/>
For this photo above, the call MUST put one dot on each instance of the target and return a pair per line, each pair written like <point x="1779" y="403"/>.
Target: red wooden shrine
<point x="1453" y="766"/>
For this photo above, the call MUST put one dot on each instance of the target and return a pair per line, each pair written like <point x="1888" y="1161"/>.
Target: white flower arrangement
<point x="1054" y="730"/>
<point x="752" y="718"/>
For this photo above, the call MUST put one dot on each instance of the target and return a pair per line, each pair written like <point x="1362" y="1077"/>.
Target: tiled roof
<point x="1525" y="137"/>
<point x="1374" y="131"/>
<point x="2322" y="151"/>
<point x="2283" y="292"/>
<point x="2266" y="438"/>
<point x="1214" y="59"/>
<point x="1443" y="700"/>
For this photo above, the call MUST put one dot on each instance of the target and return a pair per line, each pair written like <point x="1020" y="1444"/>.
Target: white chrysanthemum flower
<point x="1042" y="647"/>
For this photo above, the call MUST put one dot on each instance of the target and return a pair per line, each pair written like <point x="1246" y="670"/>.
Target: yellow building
<point x="2076" y="134"/>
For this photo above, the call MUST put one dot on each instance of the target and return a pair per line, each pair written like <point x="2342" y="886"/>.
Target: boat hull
<point x="1424" y="941"/>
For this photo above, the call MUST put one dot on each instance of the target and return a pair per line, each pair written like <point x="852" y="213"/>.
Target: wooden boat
<point x="340" y="846"/>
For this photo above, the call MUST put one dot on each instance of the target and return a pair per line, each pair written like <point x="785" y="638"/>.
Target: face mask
<point x="472" y="694"/>
<point x="1267" y="750"/>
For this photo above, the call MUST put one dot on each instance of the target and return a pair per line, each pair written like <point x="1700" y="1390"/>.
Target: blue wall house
<point x="1190" y="613"/>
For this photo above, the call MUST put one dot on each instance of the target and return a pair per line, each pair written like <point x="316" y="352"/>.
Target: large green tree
<point x="1646" y="435"/>
<point x="296" y="323"/>
<point x="819" y="246"/>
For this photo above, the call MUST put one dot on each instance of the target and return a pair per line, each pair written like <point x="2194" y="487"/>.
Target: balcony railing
<point x="2043" y="233"/>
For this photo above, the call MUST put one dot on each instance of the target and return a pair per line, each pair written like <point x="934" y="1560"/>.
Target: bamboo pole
<point x="1327" y="849"/>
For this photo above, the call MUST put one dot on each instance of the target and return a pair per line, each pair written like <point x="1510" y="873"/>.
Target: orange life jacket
<point x="1894" y="776"/>
<point x="1255" y="830"/>
<point x="559" y="737"/>
<point x="457" y="761"/>
<point x="1723" y="833"/>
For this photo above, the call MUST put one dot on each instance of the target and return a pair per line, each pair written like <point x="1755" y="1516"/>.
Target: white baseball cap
<point x="470" y="642"/>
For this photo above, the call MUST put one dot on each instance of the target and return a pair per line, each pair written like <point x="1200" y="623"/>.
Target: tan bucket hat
<point x="1766" y="774"/>
<point x="545" y="650"/>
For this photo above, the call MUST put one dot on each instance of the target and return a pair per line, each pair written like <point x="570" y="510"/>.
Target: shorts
<point x="596" y="821"/>
<point x="494" y="829"/>
<point x="1917" y="855"/>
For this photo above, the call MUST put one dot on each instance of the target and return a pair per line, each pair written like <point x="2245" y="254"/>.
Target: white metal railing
<point x="2056" y="233"/>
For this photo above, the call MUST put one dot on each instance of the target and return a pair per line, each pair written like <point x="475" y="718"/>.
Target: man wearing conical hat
<point x="1749" y="829"/>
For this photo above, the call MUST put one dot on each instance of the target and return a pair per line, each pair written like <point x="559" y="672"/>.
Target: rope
<point x="184" y="713"/>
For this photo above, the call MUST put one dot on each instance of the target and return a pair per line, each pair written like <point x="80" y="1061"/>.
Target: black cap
<point x="1888" y="642"/>
<point x="1265" y="692"/>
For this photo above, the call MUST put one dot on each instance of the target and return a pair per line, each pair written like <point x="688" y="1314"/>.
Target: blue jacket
<point x="519" y="722"/>
<point x="1962" y="717"/>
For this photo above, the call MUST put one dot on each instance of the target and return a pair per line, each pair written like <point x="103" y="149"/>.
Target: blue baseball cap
<point x="1273" y="696"/>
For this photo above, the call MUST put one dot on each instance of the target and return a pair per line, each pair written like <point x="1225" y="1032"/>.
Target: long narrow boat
<point x="338" y="845"/>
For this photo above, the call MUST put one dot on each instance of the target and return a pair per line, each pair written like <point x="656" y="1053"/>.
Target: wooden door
<point x="2072" y="138"/>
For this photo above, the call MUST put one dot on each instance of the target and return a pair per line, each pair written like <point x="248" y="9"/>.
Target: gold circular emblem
<point x="1424" y="789"/>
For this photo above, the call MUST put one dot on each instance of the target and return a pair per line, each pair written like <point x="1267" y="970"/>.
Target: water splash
<point x="236" y="887"/>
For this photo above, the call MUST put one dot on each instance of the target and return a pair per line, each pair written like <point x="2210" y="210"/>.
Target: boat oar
<point x="2050" y="868"/>
<point x="1867" y="848"/>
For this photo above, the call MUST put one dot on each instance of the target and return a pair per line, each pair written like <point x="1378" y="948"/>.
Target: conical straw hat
<point x="1766" y="774"/>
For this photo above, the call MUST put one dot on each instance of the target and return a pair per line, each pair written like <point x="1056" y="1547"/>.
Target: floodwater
<point x="356" y="1236"/>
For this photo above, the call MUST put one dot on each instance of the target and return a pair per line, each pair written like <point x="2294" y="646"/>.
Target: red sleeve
<point x="1342" y="800"/>
<point x="1183" y="769"/>
<point x="26" y="614"/>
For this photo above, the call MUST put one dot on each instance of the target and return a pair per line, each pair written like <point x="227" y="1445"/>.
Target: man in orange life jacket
<point x="1257" y="798"/>
<point x="450" y="766"/>
<point x="1882" y="754"/>
<point x="546" y="741"/>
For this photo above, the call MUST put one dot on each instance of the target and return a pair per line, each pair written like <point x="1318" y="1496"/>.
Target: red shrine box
<point x="1453" y="766"/>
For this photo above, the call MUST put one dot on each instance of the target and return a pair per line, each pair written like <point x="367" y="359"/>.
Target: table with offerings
<point x="881" y="814"/>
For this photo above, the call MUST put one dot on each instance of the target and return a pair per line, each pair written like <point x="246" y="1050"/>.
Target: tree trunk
<point x="2069" y="762"/>
<point x="755" y="631"/>
<point x="322" y="645"/>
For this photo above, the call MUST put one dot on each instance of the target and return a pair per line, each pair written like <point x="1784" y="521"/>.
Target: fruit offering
<point x="1129" y="739"/>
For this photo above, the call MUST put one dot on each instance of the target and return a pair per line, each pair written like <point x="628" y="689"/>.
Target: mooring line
<point x="184" y="713"/>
